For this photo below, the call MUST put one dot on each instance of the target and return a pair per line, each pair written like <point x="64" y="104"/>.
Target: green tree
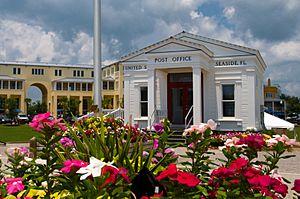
<point x="27" y="101"/>
<point x="292" y="103"/>
<point x="70" y="106"/>
<point x="11" y="108"/>
<point x="36" y="108"/>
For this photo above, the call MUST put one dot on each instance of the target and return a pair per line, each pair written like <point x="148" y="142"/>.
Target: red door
<point x="180" y="96"/>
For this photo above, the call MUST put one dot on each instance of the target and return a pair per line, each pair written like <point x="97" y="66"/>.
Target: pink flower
<point x="14" y="185"/>
<point x="296" y="186"/>
<point x="169" y="150"/>
<point x="73" y="165"/>
<point x="66" y="142"/>
<point x="159" y="155"/>
<point x="42" y="121"/>
<point x="155" y="144"/>
<point x="211" y="124"/>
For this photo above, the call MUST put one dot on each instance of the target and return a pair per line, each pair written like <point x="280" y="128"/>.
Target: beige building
<point x="57" y="81"/>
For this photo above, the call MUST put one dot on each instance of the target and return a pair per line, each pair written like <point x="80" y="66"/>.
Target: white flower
<point x="94" y="168"/>
<point x="27" y="159"/>
<point x="45" y="184"/>
<point x="41" y="161"/>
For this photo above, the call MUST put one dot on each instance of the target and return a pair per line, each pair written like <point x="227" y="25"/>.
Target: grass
<point x="22" y="133"/>
<point x="295" y="133"/>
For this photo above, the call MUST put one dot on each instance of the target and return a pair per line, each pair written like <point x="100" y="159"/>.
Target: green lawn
<point x="296" y="133"/>
<point x="22" y="133"/>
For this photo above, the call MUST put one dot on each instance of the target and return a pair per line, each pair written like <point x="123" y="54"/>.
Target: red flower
<point x="264" y="180"/>
<point x="296" y="186"/>
<point x="238" y="164"/>
<point x="180" y="176"/>
<point x="170" y="172"/>
<point x="187" y="179"/>
<point x="253" y="141"/>
<point x="281" y="189"/>
<point x="113" y="174"/>
<point x="222" y="172"/>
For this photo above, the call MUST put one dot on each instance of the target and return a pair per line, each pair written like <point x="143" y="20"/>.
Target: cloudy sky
<point x="61" y="31"/>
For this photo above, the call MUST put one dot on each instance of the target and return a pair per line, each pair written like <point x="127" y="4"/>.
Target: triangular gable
<point x="168" y="45"/>
<point x="218" y="47"/>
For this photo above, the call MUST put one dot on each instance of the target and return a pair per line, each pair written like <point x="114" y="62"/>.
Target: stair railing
<point x="188" y="118"/>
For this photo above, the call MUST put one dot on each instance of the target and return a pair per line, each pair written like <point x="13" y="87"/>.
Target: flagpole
<point x="97" y="56"/>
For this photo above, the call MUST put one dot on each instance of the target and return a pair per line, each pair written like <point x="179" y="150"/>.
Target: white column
<point x="251" y="98"/>
<point x="151" y="94"/>
<point x="197" y="101"/>
<point x="127" y="95"/>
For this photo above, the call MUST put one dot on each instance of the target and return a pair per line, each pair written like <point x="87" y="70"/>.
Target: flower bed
<point x="105" y="158"/>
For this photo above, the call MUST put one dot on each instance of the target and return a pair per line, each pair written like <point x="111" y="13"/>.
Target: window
<point x="228" y="100"/>
<point x="0" y="84"/>
<point x="82" y="73"/>
<point x="78" y="86"/>
<point x="19" y="85"/>
<point x="269" y="95"/>
<point x="36" y="71"/>
<point x="16" y="71"/>
<point x="71" y="86"/>
<point x="5" y="84"/>
<point x="78" y="73"/>
<point x="112" y="70"/>
<point x="104" y="73"/>
<point x="57" y="72"/>
<point x="65" y="86"/>
<point x="12" y="85"/>
<point x="83" y="87"/>
<point x="92" y="73"/>
<point x="90" y="87"/>
<point x="111" y="85"/>
<point x="144" y="101"/>
<point x="74" y="73"/>
<point x="104" y="85"/>
<point x="58" y="86"/>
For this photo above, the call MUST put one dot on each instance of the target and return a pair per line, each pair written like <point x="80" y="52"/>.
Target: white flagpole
<point x="97" y="56"/>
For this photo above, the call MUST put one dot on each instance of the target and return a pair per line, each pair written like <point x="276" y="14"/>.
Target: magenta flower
<point x="66" y="142"/>
<point x="296" y="186"/>
<point x="14" y="185"/>
<point x="155" y="144"/>
<point x="158" y="127"/>
<point x="73" y="165"/>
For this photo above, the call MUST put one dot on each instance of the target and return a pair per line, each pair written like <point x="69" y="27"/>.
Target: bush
<point x="105" y="158"/>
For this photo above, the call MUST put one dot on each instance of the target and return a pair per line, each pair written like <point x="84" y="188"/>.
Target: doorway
<point x="180" y="96"/>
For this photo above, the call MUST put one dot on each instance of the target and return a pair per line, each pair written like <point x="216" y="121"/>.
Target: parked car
<point x="5" y="120"/>
<point x="22" y="118"/>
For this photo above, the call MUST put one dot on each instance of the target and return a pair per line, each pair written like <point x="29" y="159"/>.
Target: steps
<point x="176" y="137"/>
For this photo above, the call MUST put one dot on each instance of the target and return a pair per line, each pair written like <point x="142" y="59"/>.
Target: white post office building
<point x="190" y="79"/>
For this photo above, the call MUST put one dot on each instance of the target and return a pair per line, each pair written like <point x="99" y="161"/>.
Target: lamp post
<point x="97" y="56"/>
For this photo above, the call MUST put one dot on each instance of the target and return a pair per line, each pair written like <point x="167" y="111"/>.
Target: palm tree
<point x="27" y="101"/>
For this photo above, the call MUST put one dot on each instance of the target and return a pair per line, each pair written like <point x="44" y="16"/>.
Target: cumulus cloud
<point x="61" y="31"/>
<point x="229" y="12"/>
<point x="23" y="42"/>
